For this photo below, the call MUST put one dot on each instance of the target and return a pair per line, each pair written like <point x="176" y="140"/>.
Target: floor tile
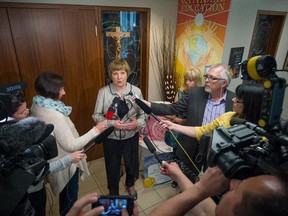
<point x="148" y="198"/>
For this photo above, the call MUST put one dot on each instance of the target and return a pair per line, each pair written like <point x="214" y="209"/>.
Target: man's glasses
<point x="210" y="78"/>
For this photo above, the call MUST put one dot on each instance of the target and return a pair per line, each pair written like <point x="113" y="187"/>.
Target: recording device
<point x="263" y="69"/>
<point x="241" y="151"/>
<point x="114" y="108"/>
<point x="100" y="138"/>
<point x="25" y="147"/>
<point x="113" y="204"/>
<point x="110" y="112"/>
<point x="152" y="149"/>
<point x="146" y="108"/>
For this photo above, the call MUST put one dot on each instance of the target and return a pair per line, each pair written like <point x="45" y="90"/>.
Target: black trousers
<point x="38" y="201"/>
<point x="113" y="152"/>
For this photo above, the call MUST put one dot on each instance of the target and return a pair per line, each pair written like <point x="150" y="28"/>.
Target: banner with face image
<point x="200" y="34"/>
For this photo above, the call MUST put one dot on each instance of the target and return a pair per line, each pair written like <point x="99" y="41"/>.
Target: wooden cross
<point x="118" y="35"/>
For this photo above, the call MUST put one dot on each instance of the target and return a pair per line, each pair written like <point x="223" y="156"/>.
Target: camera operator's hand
<point x="84" y="201"/>
<point x="80" y="204"/>
<point x="77" y="156"/>
<point x="213" y="182"/>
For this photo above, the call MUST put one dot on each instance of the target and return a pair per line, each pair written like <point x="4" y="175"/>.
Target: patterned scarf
<point x="52" y="104"/>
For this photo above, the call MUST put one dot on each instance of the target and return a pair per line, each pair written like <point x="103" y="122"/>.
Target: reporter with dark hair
<point x="48" y="107"/>
<point x="37" y="192"/>
<point x="263" y="195"/>
<point x="19" y="107"/>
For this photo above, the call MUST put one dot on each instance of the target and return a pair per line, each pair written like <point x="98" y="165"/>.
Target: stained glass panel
<point x="128" y="21"/>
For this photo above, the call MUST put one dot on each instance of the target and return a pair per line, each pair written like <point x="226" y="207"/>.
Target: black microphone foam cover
<point x="101" y="137"/>
<point x="143" y="106"/>
<point x="235" y="121"/>
<point x="149" y="145"/>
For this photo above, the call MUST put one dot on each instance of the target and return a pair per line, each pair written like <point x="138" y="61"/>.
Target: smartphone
<point x="114" y="204"/>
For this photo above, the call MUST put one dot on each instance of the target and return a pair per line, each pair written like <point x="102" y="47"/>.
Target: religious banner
<point x="200" y="34"/>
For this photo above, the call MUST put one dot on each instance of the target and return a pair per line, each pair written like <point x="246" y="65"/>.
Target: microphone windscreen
<point x="235" y="121"/>
<point x="143" y="106"/>
<point x="110" y="113"/>
<point x="101" y="137"/>
<point x="149" y="145"/>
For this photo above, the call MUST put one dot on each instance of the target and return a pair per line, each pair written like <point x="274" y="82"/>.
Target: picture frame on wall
<point x="236" y="55"/>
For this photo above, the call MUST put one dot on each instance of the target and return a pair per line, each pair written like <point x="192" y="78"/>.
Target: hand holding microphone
<point x="101" y="126"/>
<point x="103" y="129"/>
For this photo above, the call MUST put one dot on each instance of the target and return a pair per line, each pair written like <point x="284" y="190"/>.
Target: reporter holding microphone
<point x="115" y="105"/>
<point x="48" y="107"/>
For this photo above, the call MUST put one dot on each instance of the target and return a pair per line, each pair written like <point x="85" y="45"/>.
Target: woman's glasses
<point x="235" y="100"/>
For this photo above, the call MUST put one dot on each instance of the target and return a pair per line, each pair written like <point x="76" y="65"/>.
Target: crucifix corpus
<point x="118" y="35"/>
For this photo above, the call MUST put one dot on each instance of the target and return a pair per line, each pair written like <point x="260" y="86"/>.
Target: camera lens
<point x="233" y="166"/>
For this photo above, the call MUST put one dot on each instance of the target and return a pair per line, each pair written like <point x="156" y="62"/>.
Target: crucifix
<point x="118" y="35"/>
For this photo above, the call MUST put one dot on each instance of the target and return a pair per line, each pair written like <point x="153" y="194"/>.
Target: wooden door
<point x="62" y="40"/>
<point x="8" y="61"/>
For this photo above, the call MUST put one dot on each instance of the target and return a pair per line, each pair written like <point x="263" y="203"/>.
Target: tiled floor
<point x="148" y="198"/>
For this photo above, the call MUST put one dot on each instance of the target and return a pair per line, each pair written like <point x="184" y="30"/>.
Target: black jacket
<point x="193" y="104"/>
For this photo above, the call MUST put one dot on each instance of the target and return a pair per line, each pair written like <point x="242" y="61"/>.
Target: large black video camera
<point x="242" y="151"/>
<point x="25" y="148"/>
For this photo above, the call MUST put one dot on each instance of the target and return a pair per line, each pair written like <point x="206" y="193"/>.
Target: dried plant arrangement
<point x="163" y="60"/>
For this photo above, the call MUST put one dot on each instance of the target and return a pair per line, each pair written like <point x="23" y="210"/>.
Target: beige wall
<point x="239" y="30"/>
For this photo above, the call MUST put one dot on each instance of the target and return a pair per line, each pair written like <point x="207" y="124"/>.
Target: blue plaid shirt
<point x="214" y="109"/>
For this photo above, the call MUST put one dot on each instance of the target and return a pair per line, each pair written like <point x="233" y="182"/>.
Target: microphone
<point x="146" y="108"/>
<point x="250" y="125"/>
<point x="151" y="148"/>
<point x="110" y="112"/>
<point x="21" y="135"/>
<point x="13" y="87"/>
<point x="100" y="138"/>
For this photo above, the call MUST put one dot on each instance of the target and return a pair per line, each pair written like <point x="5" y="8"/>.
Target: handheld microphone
<point x="146" y="108"/>
<point x="100" y="138"/>
<point x="110" y="112"/>
<point x="151" y="148"/>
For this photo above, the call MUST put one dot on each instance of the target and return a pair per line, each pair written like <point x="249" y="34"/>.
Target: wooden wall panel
<point x="64" y="41"/>
<point x="9" y="71"/>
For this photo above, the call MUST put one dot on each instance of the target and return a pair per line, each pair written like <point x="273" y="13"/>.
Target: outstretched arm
<point x="187" y="130"/>
<point x="212" y="183"/>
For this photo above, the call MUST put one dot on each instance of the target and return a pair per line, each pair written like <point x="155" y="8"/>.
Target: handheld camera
<point x="25" y="148"/>
<point x="247" y="149"/>
<point x="113" y="205"/>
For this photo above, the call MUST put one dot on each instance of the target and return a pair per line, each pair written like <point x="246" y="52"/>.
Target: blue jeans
<point x="69" y="194"/>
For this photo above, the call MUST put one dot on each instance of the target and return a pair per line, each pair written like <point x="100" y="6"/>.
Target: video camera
<point x="241" y="151"/>
<point x="25" y="148"/>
